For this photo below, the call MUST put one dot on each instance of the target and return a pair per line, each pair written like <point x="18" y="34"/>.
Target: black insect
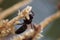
<point x="25" y="23"/>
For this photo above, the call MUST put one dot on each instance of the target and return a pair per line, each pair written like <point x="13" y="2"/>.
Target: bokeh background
<point x="42" y="9"/>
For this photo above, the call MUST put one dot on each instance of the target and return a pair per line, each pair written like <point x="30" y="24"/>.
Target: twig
<point x="45" y="22"/>
<point x="50" y="19"/>
<point x="15" y="7"/>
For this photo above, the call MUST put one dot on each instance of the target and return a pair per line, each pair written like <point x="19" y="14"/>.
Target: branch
<point x="50" y="19"/>
<point x="15" y="7"/>
<point x="47" y="21"/>
<point x="44" y="24"/>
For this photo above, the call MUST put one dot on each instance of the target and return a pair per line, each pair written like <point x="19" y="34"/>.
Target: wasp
<point x="25" y="23"/>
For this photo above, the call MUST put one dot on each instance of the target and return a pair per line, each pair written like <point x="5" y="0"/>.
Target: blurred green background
<point x="8" y="3"/>
<point x="42" y="9"/>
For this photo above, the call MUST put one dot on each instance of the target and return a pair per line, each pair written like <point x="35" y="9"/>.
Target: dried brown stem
<point x="15" y="7"/>
<point x="50" y="19"/>
<point x="45" y="22"/>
